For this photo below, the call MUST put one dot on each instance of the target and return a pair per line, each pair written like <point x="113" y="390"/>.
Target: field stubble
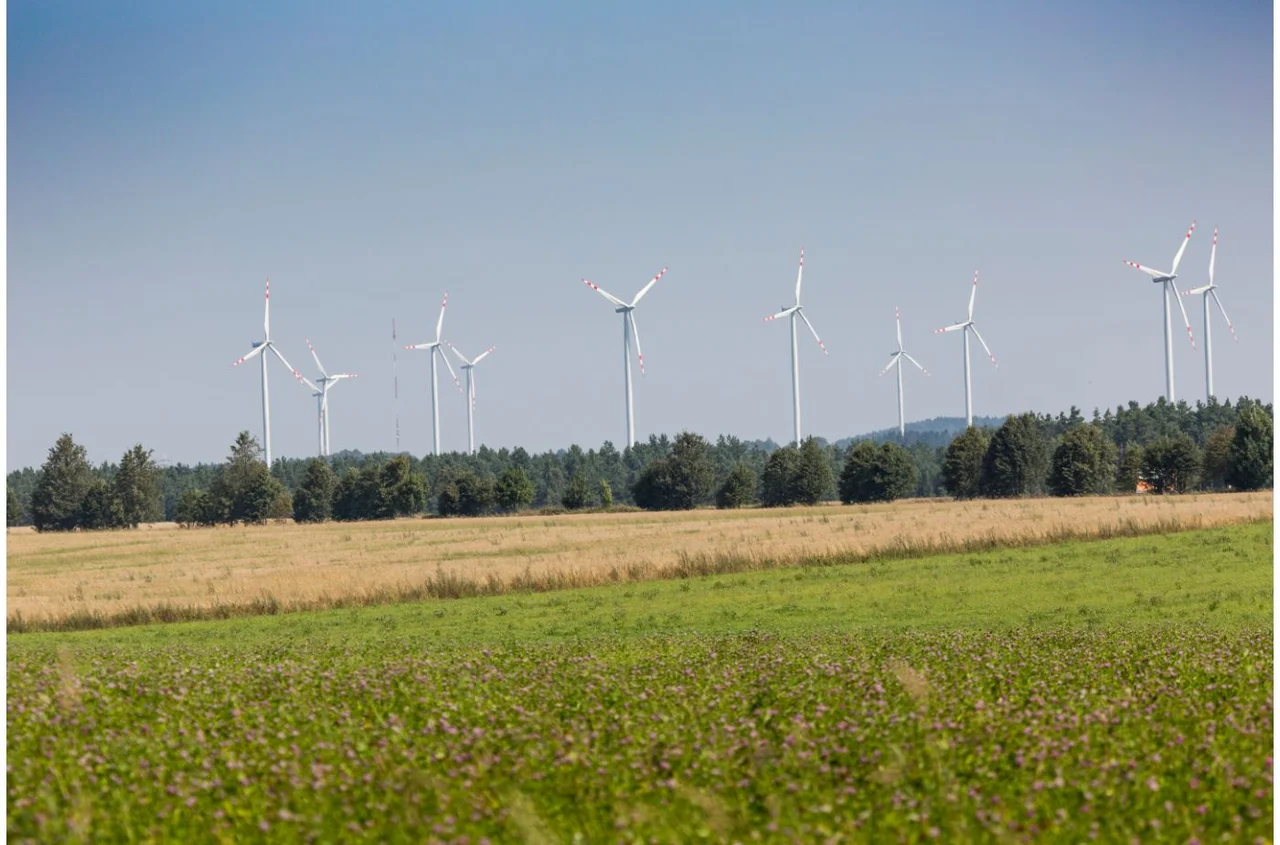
<point x="100" y="579"/>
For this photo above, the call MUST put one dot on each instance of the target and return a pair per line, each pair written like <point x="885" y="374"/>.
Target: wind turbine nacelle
<point x="622" y="309"/>
<point x="256" y="344"/>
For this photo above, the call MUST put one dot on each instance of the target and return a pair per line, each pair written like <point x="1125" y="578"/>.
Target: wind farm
<point x="903" y="596"/>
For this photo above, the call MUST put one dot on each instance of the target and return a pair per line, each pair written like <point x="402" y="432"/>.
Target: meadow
<point x="99" y="579"/>
<point x="1111" y="689"/>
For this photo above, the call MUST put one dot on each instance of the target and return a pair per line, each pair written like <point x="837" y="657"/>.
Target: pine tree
<point x="404" y="492"/>
<point x="856" y="478"/>
<point x="577" y="493"/>
<point x="739" y="489"/>
<point x="99" y="508"/>
<point x="962" y="464"/>
<point x="812" y="481"/>
<point x="1082" y="464"/>
<point x="313" y="501"/>
<point x="137" y="487"/>
<point x="1016" y="460"/>
<point x="65" y="480"/>
<point x="1217" y="457"/>
<point x="13" y="508"/>
<point x="1250" y="466"/>
<point x="778" y="487"/>
<point x="514" y="490"/>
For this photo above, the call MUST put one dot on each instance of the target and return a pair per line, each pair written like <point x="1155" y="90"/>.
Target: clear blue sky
<point x="165" y="158"/>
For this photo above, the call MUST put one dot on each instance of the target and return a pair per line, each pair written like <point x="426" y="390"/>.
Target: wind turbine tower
<point x="969" y="326"/>
<point x="796" y="312"/>
<point x="468" y="367"/>
<point x="259" y="348"/>
<point x="1211" y="290"/>
<point x="895" y="360"/>
<point x="322" y="388"/>
<point x="1165" y="280"/>
<point x="627" y="310"/>
<point x="433" y="349"/>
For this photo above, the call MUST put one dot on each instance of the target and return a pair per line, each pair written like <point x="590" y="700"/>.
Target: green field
<point x="1117" y="688"/>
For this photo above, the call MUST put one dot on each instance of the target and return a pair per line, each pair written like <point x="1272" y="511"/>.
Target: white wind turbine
<point x="1165" y="280"/>
<point x="795" y="311"/>
<point x="628" y="329"/>
<point x="969" y="326"/>
<point x="896" y="360"/>
<point x="1211" y="290"/>
<point x="433" y="348"/>
<point x="322" y="386"/>
<point x="467" y="367"/>
<point x="259" y="347"/>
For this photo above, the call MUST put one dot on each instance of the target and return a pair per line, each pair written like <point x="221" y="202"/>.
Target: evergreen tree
<point x="1016" y="462"/>
<point x="739" y="489"/>
<point x="778" y="485"/>
<point x="692" y="472"/>
<point x="404" y="492"/>
<point x="1217" y="457"/>
<point x="962" y="464"/>
<point x="99" y="508"/>
<point x="1250" y="466"/>
<point x="652" y="489"/>
<point x="476" y="495"/>
<point x="1083" y="463"/>
<point x="348" y="495"/>
<point x="13" y="508"/>
<point x="813" y="479"/>
<point x="1171" y="464"/>
<point x="577" y="493"/>
<point x="313" y="501"/>
<point x="857" y="475"/>
<point x="193" y="509"/>
<point x="281" y="502"/>
<point x="514" y="490"/>
<point x="1129" y="469"/>
<point x="137" y="487"/>
<point x="65" y="480"/>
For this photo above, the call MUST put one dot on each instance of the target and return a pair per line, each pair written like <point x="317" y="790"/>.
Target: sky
<point x="165" y="159"/>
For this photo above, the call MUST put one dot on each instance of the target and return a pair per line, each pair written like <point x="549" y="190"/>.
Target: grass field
<point x="102" y="578"/>
<point x="1114" y="689"/>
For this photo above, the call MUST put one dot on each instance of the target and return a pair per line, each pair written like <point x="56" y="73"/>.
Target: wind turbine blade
<point x="266" y="313"/>
<point x="456" y="352"/>
<point x="972" y="293"/>
<point x="1147" y="270"/>
<point x="646" y="288"/>
<point x="799" y="276"/>
<point x="1177" y="258"/>
<point x="440" y="321"/>
<point x="1186" y="322"/>
<point x="429" y="345"/>
<point x="316" y="357"/>
<point x="897" y="318"/>
<point x="482" y="354"/>
<point x="257" y="350"/>
<point x="1214" y="294"/>
<point x="984" y="344"/>
<point x="306" y="381"/>
<point x="1195" y="291"/>
<point x="1213" y="254"/>
<point x="603" y="292"/>
<point x="635" y="333"/>
<point x="445" y="358"/>
<point x="279" y="355"/>
<point x="893" y="359"/>
<point x="783" y="313"/>
<point x="815" y="333"/>
<point x="917" y="363"/>
<point x="956" y="327"/>
<point x="341" y="376"/>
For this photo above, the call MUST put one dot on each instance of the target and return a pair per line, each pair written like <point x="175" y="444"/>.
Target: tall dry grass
<point x="118" y="578"/>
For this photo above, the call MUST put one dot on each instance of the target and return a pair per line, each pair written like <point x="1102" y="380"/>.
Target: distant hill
<point x="935" y="432"/>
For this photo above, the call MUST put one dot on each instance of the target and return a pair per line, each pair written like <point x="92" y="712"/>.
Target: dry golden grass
<point x="100" y="574"/>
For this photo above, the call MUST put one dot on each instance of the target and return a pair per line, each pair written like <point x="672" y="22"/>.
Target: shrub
<point x="577" y="493"/>
<point x="1171" y="464"/>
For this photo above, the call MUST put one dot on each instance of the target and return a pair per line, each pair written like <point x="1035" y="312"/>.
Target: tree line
<point x="1163" y="447"/>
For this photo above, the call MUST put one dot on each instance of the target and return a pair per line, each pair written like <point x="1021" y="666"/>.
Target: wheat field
<point x="56" y="576"/>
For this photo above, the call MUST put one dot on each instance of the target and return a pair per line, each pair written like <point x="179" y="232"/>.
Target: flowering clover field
<point x="1151" y="734"/>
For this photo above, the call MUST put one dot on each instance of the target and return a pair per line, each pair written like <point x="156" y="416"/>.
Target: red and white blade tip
<point x="268" y="289"/>
<point x="801" y="256"/>
<point x="1192" y="229"/>
<point x="641" y="357"/>
<point x="1215" y="235"/>
<point x="1131" y="264"/>
<point x="975" y="278"/>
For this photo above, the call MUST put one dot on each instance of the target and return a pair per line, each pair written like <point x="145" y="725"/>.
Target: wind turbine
<point x="1211" y="290"/>
<point x="969" y="326"/>
<point x="795" y="311"/>
<point x="628" y="329"/>
<point x="1165" y="280"/>
<point x="896" y="360"/>
<point x="322" y="387"/>
<point x="467" y="367"/>
<point x="433" y="348"/>
<point x="259" y="347"/>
